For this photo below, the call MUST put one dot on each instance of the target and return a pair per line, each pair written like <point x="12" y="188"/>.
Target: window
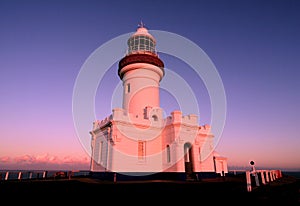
<point x="154" y="117"/>
<point x="199" y="154"/>
<point x="187" y="152"/>
<point x="128" y="88"/>
<point x="141" y="149"/>
<point x="168" y="154"/>
<point x="100" y="152"/>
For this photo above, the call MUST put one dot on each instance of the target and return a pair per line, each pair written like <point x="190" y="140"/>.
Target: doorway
<point x="188" y="161"/>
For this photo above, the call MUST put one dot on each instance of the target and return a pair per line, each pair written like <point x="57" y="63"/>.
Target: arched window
<point x="154" y="117"/>
<point x="187" y="152"/>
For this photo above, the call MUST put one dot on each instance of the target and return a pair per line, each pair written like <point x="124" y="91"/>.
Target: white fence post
<point x="262" y="177"/>
<point x="248" y="178"/>
<point x="271" y="176"/>
<point x="6" y="175"/>
<point x="44" y="174"/>
<point x="19" y="175"/>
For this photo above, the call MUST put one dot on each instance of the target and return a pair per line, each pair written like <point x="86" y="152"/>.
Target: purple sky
<point x="254" y="45"/>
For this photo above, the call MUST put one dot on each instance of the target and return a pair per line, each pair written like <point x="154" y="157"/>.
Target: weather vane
<point x="141" y="24"/>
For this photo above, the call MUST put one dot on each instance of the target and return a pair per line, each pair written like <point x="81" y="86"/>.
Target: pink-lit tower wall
<point x="137" y="138"/>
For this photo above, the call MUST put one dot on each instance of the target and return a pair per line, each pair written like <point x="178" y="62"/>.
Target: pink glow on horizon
<point x="44" y="161"/>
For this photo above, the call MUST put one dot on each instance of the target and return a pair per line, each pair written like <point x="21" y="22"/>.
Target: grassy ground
<point x="229" y="190"/>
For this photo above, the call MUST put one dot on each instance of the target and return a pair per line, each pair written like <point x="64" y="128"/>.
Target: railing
<point x="263" y="176"/>
<point x="39" y="174"/>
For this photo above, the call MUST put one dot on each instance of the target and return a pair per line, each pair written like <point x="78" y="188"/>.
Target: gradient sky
<point x="254" y="45"/>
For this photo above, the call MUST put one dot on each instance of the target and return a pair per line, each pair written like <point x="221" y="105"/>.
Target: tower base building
<point x="136" y="141"/>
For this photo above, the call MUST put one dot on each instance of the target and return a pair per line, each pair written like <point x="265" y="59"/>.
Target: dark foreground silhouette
<point x="231" y="190"/>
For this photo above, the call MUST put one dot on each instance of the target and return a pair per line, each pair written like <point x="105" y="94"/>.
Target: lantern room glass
<point x="140" y="43"/>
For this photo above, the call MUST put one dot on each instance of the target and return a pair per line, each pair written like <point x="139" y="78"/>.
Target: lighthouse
<point x="141" y="71"/>
<point x="137" y="140"/>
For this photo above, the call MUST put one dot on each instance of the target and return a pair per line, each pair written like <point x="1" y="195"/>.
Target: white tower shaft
<point x="141" y="87"/>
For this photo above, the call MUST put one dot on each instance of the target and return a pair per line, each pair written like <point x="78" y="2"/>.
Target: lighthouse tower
<point x="137" y="140"/>
<point x="141" y="70"/>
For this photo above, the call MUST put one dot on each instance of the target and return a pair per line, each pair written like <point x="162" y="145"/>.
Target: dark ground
<point x="229" y="190"/>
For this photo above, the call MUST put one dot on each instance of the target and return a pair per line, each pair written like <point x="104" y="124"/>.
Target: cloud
<point x="71" y="159"/>
<point x="24" y="159"/>
<point x="45" y="161"/>
<point x="5" y="159"/>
